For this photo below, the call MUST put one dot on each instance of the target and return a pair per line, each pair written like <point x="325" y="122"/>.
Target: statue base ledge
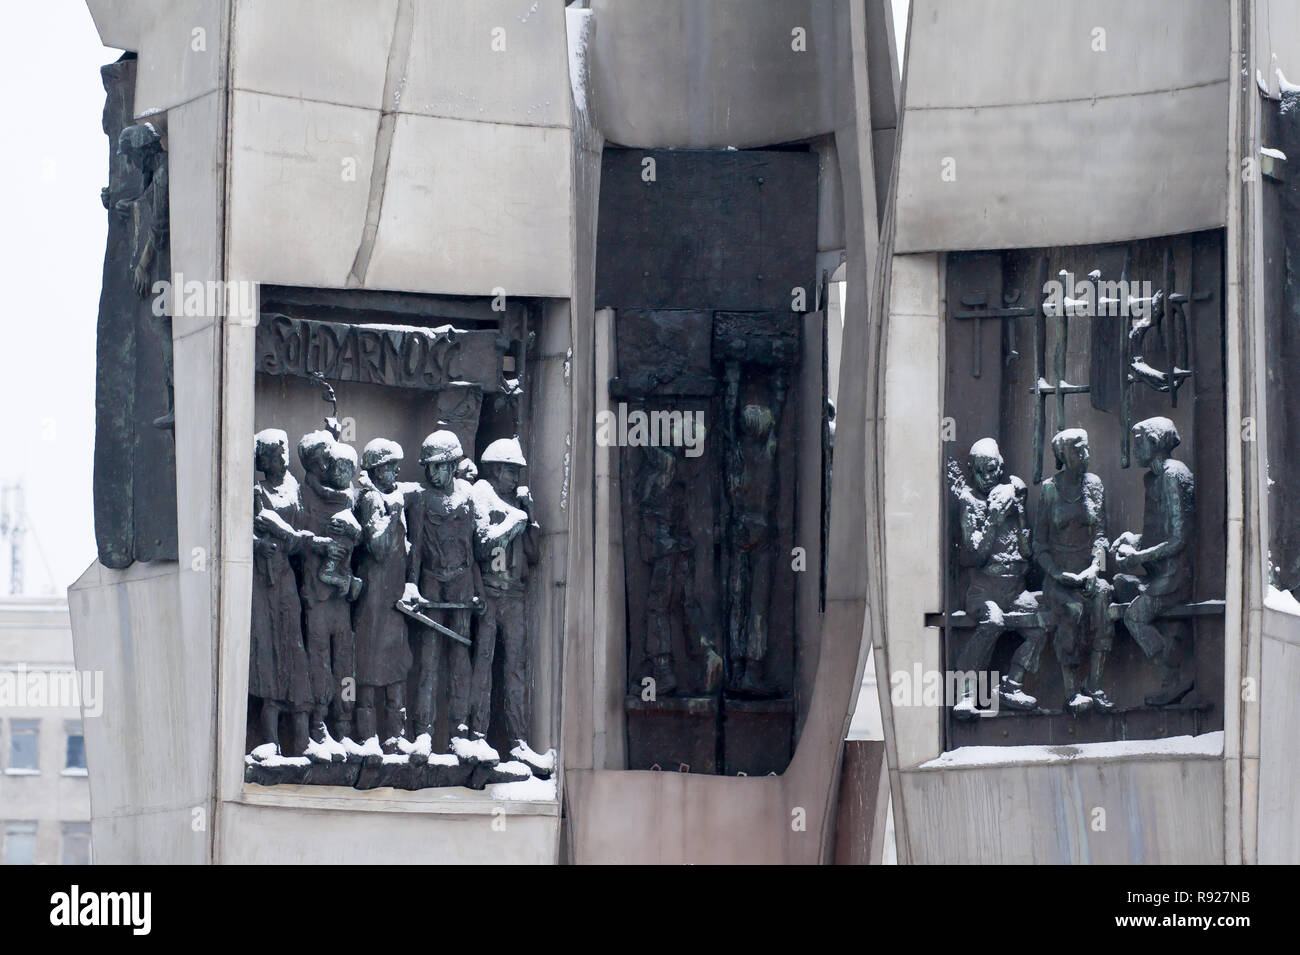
<point x="1204" y="746"/>
<point x="369" y="772"/>
<point x="1058" y="728"/>
<point x="512" y="799"/>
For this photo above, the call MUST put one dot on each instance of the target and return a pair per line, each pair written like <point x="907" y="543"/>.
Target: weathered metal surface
<point x="706" y="229"/>
<point x="135" y="464"/>
<point x="399" y="356"/>
<point x="1280" y="249"/>
<point x="706" y="422"/>
<point x="758" y="736"/>
<point x="676" y="734"/>
<point x="863" y="803"/>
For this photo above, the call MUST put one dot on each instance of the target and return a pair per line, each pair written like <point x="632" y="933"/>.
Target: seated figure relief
<point x="995" y="545"/>
<point x="1070" y="528"/>
<point x="1163" y="551"/>
<point x="998" y="549"/>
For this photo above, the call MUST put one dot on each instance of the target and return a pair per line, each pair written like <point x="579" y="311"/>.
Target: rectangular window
<point x="76" y="844"/>
<point x="74" y="763"/>
<point x="20" y="843"/>
<point x="24" y="747"/>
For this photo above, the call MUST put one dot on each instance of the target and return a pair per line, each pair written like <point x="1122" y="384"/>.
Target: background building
<point x="44" y="791"/>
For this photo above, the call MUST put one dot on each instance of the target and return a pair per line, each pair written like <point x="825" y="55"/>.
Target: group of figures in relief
<point x="363" y="583"/>
<point x="1067" y="540"/>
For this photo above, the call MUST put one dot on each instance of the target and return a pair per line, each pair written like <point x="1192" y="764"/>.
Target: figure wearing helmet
<point x="383" y="651"/>
<point x="506" y="545"/>
<point x="442" y="570"/>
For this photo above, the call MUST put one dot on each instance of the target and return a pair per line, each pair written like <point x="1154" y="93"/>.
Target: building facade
<point x="44" y="789"/>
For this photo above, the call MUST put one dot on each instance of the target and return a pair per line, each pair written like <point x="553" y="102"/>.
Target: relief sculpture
<point x="708" y="482"/>
<point x="1104" y="562"/>
<point x="381" y="606"/>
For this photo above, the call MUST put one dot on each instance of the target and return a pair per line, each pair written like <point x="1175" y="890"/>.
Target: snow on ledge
<point x="1207" y="744"/>
<point x="533" y="790"/>
<point x="1282" y="601"/>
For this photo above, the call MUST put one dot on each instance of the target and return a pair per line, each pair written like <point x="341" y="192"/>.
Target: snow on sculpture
<point x="995" y="546"/>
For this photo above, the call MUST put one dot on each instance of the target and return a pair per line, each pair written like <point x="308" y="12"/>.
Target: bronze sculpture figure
<point x="995" y="546"/>
<point x="666" y="545"/>
<point x="506" y="545"/>
<point x="278" y="657"/>
<point x="751" y="483"/>
<point x="1163" y="550"/>
<point x="442" y="577"/>
<point x="383" y="651"/>
<point x="141" y="145"/>
<point x="1070" y="542"/>
<point x="327" y="500"/>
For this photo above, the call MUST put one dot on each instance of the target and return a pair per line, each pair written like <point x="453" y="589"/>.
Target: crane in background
<point x="13" y="528"/>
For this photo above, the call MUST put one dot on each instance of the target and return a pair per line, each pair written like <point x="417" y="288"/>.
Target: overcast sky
<point x="51" y="258"/>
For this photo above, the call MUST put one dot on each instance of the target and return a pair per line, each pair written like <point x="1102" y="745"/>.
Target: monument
<point x="711" y="368"/>
<point x="452" y="604"/>
<point x="561" y="570"/>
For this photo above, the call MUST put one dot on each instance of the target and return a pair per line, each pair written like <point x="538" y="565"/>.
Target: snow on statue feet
<point x="472" y="747"/>
<point x="264" y="752"/>
<point x="400" y="763"/>
<point x="1012" y="695"/>
<point x="1100" y="700"/>
<point x="965" y="708"/>
<point x="1079" y="703"/>
<point x="542" y="765"/>
<point x="421" y="748"/>
<point x="328" y="750"/>
<point x="369" y="748"/>
<point x="268" y="756"/>
<point x="473" y="750"/>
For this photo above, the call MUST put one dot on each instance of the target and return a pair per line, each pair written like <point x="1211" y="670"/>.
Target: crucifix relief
<point x="708" y="516"/>
<point x="710" y="273"/>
